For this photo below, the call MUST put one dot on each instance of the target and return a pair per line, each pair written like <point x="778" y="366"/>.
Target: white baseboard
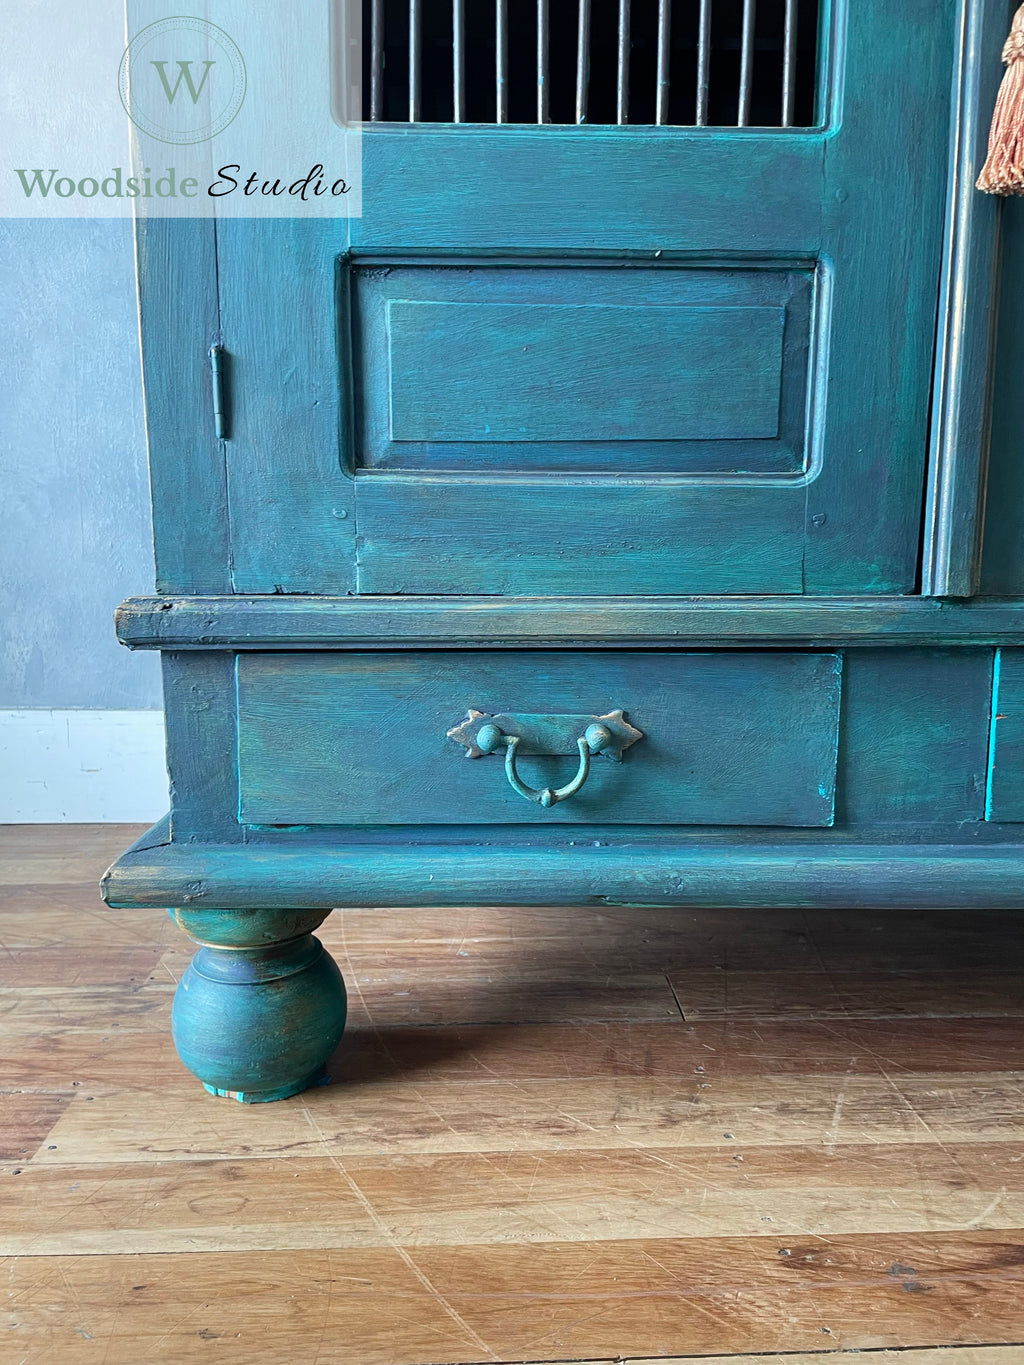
<point x="82" y="767"/>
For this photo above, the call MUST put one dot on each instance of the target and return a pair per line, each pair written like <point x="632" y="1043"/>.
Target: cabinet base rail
<point x="579" y="868"/>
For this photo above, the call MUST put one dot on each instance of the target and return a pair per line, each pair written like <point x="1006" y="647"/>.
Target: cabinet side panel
<point x="179" y="322"/>
<point x="202" y="752"/>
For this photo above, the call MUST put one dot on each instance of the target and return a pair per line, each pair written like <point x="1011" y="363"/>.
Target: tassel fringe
<point x="1003" y="171"/>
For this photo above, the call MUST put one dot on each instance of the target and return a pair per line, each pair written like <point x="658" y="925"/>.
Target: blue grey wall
<point x="74" y="496"/>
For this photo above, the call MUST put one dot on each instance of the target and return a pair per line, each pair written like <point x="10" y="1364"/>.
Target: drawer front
<point x="728" y="738"/>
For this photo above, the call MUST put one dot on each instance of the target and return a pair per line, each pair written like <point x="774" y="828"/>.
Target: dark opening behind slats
<point x="716" y="63"/>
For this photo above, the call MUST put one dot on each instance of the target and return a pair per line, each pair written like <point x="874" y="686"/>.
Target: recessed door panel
<point x="594" y="367"/>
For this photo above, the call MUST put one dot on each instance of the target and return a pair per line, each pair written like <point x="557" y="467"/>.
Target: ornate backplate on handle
<point x="546" y="734"/>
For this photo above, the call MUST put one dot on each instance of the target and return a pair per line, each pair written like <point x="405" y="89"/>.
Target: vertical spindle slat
<point x="542" y="61"/>
<point x="582" y="61"/>
<point x="726" y="41"/>
<point x="703" y="63"/>
<point x="414" y="61"/>
<point x="746" y="63"/>
<point x="622" y="79"/>
<point x="459" y="61"/>
<point x="501" y="60"/>
<point x="664" y="54"/>
<point x="377" y="61"/>
<point x="789" y="64"/>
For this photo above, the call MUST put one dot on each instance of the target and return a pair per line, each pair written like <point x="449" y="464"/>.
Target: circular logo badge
<point x="182" y="80"/>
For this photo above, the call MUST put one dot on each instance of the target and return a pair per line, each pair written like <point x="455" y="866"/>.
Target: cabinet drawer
<point x="729" y="738"/>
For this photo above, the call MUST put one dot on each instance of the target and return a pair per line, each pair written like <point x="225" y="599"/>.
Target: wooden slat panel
<point x="940" y="1355"/>
<point x="25" y="1010"/>
<point x="286" y="486"/>
<point x="871" y="203"/>
<point x="79" y="1059"/>
<point x="704" y="994"/>
<point x="26" y="1120"/>
<point x="307" y="1203"/>
<point x="179" y="321"/>
<point x="45" y="854"/>
<point x="202" y="746"/>
<point x="556" y="1302"/>
<point x="534" y="1115"/>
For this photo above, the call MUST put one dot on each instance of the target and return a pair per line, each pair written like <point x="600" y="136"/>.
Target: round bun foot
<point x="259" y="1023"/>
<point x="284" y="1092"/>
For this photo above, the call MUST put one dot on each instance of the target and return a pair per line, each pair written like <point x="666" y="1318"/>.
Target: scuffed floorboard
<point x="553" y="1136"/>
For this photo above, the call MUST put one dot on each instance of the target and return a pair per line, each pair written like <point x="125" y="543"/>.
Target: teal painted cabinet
<point x="602" y="515"/>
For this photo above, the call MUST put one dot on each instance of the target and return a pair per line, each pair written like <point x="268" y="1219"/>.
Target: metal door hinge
<point x="218" y="366"/>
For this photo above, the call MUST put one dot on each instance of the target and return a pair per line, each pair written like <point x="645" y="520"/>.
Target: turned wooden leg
<point x="261" y="1006"/>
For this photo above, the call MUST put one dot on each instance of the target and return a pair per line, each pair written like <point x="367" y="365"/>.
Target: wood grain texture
<point x="289" y="496"/>
<point x="796" y="1165"/>
<point x="372" y="730"/>
<point x="180" y="320"/>
<point x="246" y="623"/>
<point x="942" y="1355"/>
<point x="202" y="749"/>
<point x="562" y="364"/>
<point x="914" y="738"/>
<point x="415" y="537"/>
<point x="35" y="856"/>
<point x="810" y="199"/>
<point x="604" y="867"/>
<point x="627" y="332"/>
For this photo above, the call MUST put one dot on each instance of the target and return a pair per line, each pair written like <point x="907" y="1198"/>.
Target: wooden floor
<point x="555" y="1135"/>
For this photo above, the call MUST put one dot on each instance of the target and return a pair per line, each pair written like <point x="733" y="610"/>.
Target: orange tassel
<point x="1003" y="171"/>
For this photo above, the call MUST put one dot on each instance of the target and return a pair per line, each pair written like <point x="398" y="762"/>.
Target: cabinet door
<point x="598" y="359"/>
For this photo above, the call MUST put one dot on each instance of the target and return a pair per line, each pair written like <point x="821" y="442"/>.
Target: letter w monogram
<point x="184" y="74"/>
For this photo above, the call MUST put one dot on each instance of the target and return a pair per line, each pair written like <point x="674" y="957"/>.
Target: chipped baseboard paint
<point x="82" y="767"/>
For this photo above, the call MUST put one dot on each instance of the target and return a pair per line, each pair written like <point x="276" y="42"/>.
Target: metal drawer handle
<point x="595" y="738"/>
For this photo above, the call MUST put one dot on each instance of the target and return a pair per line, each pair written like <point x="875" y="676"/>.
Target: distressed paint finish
<point x="593" y="865"/>
<point x="914" y="746"/>
<point x="551" y="365"/>
<point x="362" y="739"/>
<point x="261" y="1006"/>
<point x="179" y="321"/>
<point x="860" y="201"/>
<point x="353" y="561"/>
<point x="1005" y="795"/>
<point x="268" y="623"/>
<point x="556" y="372"/>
